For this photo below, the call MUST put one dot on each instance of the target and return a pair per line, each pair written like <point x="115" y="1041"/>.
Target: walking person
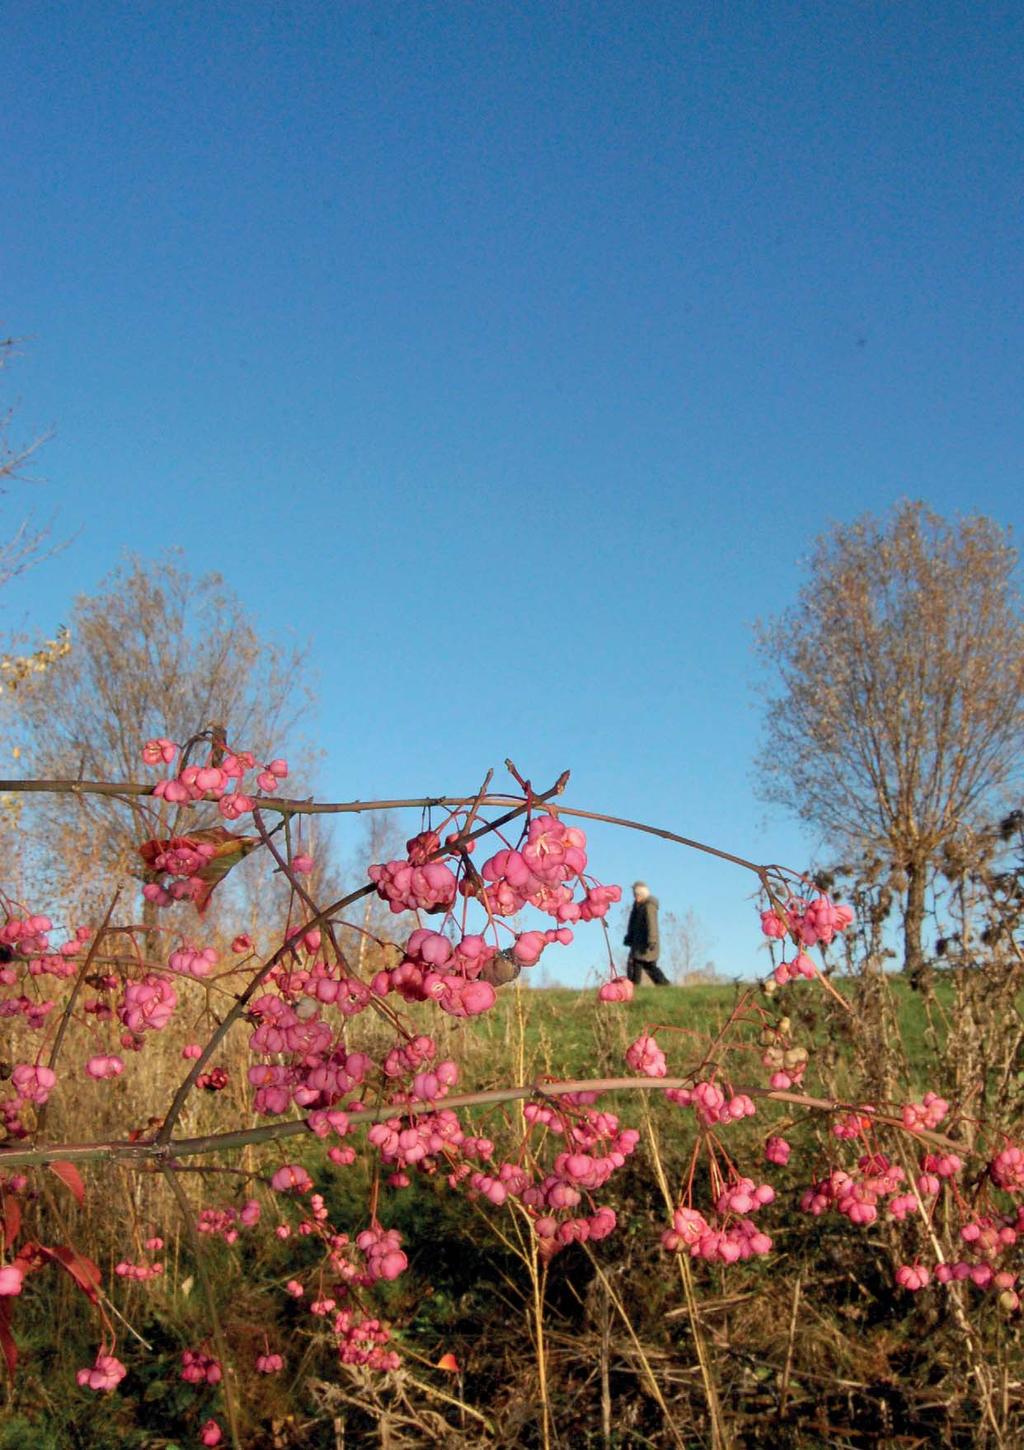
<point x="642" y="937"/>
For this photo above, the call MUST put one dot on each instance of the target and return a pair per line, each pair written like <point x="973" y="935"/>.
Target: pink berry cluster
<point x="146" y="1269"/>
<point x="616" y="989"/>
<point x="12" y="1278"/>
<point x="808" y="923"/>
<point x="595" y="1146"/>
<point x="147" y="1006"/>
<point x="645" y="1056"/>
<point x="541" y="871"/>
<point x="712" y="1104"/>
<point x="777" y="1151"/>
<point x="300" y="1021"/>
<point x="382" y="1251"/>
<point x="225" y="1222"/>
<point x="561" y="1202"/>
<point x="360" y="1340"/>
<point x="28" y="937"/>
<point x="192" y="961"/>
<point x="104" y="1066"/>
<point x="800" y="966"/>
<point x="857" y="1195"/>
<point x="1007" y="1168"/>
<point x="199" y="1368"/>
<point x="317" y="1071"/>
<point x="928" y="1113"/>
<point x="180" y="861"/>
<point x="291" y="1178"/>
<point x="733" y="1236"/>
<point x="27" y="958"/>
<point x="32" y="1083"/>
<point x="433" y="969"/>
<point x="221" y="782"/>
<point x="424" y="1142"/>
<point x="105" y="1374"/>
<point x="988" y="1233"/>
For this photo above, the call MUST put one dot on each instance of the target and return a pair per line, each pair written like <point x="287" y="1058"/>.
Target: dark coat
<point x="642" y="932"/>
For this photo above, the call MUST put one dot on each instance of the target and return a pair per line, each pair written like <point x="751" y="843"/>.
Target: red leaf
<point x="29" y="1257"/>
<point x="10" y="1219"/>
<point x="7" y="1343"/>
<point x="69" y="1174"/>
<point x="448" y="1362"/>
<point x="84" y="1272"/>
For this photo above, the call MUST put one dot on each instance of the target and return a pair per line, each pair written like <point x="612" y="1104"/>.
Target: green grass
<point x="565" y="1030"/>
<point x="568" y="1034"/>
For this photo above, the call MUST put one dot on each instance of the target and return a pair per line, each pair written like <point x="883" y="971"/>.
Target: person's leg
<point x="656" y="975"/>
<point x="633" y="970"/>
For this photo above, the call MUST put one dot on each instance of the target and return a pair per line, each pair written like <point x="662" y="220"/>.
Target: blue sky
<point x="515" y="353"/>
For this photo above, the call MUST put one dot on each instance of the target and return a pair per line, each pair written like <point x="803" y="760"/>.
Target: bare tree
<point x="898" y="715"/>
<point x="25" y="544"/>
<point x="156" y="652"/>
<point x="380" y="839"/>
<point x="686" y="948"/>
<point x="22" y="544"/>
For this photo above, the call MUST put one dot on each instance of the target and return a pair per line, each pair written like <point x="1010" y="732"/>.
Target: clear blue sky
<point x="515" y="353"/>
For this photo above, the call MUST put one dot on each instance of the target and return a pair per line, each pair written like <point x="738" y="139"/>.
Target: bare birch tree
<point x="896" y="721"/>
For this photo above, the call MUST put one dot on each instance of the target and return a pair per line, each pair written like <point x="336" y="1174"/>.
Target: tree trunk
<point x="151" y="936"/>
<point x="913" y="922"/>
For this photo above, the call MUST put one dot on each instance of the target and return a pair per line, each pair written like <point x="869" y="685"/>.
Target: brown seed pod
<point x="501" y="969"/>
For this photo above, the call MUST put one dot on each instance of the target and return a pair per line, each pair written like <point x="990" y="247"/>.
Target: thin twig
<point x="718" y="1439"/>
<point x="790" y="1345"/>
<point x="211" y="1304"/>
<point x="648" y="1372"/>
<point x="83" y="972"/>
